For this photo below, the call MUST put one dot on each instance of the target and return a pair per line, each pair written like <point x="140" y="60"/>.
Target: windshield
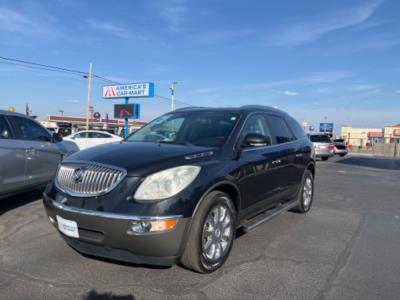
<point x="208" y="129"/>
<point x="320" y="139"/>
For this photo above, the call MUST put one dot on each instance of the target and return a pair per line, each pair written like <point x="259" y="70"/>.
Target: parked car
<point x="177" y="189"/>
<point x="29" y="154"/>
<point x="323" y="146"/>
<point x="340" y="147"/>
<point x="90" y="138"/>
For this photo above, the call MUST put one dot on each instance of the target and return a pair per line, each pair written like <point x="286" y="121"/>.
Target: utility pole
<point x="172" y="89"/>
<point x="89" y="96"/>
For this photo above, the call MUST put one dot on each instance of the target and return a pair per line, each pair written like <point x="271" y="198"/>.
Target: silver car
<point x="29" y="154"/>
<point x="323" y="146"/>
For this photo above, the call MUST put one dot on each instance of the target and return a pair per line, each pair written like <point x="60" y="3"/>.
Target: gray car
<point x="29" y="154"/>
<point x="323" y="146"/>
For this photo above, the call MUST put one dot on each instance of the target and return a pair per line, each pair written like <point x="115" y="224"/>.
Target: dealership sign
<point x="326" y="127"/>
<point x="133" y="90"/>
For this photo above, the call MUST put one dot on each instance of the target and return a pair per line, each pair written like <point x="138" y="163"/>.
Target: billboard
<point x="326" y="127"/>
<point x="129" y="111"/>
<point x="133" y="90"/>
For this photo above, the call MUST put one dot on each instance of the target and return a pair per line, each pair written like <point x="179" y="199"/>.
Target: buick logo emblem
<point x="78" y="175"/>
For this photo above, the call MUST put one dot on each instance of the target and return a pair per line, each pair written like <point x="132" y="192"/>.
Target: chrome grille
<point x="87" y="180"/>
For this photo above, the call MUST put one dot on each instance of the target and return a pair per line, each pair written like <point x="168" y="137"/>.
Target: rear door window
<point x="279" y="130"/>
<point x="320" y="139"/>
<point x="5" y="132"/>
<point x="297" y="130"/>
<point x="98" y="135"/>
<point x="29" y="130"/>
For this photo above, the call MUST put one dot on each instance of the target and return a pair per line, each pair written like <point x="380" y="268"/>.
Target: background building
<point x="362" y="136"/>
<point x="392" y="134"/>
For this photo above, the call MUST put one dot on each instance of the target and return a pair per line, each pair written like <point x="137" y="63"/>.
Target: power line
<point x="39" y="66"/>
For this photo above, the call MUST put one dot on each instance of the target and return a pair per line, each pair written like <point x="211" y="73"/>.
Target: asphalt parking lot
<point x="347" y="247"/>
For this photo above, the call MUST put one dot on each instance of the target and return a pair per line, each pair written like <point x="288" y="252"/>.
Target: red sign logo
<point x="109" y="92"/>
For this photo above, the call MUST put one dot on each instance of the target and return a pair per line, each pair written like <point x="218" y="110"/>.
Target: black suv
<point x="179" y="188"/>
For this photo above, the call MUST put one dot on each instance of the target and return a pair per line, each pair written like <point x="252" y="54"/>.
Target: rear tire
<point x="325" y="157"/>
<point x="341" y="155"/>
<point x="211" y="235"/>
<point x="306" y="193"/>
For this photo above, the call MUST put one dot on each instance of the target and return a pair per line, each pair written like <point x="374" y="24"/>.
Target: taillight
<point x="331" y="147"/>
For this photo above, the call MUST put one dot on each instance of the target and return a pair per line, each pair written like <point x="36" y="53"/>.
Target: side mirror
<point x="256" y="140"/>
<point x="56" y="137"/>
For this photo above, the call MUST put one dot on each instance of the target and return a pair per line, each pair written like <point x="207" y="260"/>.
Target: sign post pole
<point x="126" y="131"/>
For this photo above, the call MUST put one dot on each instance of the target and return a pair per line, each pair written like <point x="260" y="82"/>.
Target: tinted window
<point x="200" y="128"/>
<point x="5" y="132"/>
<point x="255" y="124"/>
<point x="26" y="129"/>
<point x="320" y="139"/>
<point x="338" y="141"/>
<point x="98" y="135"/>
<point x="81" y="135"/>
<point x="295" y="127"/>
<point x="279" y="129"/>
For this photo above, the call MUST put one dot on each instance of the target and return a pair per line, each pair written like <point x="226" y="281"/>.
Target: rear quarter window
<point x="296" y="128"/>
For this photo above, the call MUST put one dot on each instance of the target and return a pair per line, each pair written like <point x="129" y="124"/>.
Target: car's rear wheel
<point x="325" y="157"/>
<point x="306" y="193"/>
<point x="211" y="234"/>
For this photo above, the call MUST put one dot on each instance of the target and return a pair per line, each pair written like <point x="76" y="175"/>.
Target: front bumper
<point x="107" y="235"/>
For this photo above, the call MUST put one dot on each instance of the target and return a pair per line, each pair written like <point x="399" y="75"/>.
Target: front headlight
<point x="167" y="183"/>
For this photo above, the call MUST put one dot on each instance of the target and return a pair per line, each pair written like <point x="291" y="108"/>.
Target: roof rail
<point x="187" y="108"/>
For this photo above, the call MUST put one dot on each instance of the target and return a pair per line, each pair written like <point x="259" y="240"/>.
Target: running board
<point x="267" y="215"/>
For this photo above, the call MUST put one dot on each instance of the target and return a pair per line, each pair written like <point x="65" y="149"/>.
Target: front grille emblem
<point x="78" y="175"/>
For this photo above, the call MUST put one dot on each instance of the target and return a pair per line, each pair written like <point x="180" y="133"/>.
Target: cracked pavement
<point x="346" y="247"/>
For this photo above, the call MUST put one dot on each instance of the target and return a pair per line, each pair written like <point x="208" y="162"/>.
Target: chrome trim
<point x="116" y="216"/>
<point x="92" y="179"/>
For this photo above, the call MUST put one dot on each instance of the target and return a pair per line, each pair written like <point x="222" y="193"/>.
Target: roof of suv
<point x="246" y="109"/>
<point x="8" y="113"/>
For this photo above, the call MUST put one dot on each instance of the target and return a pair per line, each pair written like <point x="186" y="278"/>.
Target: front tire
<point x="306" y="193"/>
<point x="211" y="234"/>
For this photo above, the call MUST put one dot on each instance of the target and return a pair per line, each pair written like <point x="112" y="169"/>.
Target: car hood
<point x="143" y="158"/>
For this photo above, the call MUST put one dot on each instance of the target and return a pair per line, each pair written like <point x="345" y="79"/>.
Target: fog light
<point x="52" y="220"/>
<point x="145" y="226"/>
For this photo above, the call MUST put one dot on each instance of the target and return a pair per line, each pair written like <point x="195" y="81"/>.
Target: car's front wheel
<point x="211" y="234"/>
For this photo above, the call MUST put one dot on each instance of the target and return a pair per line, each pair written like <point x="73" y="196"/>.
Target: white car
<point x="90" y="138"/>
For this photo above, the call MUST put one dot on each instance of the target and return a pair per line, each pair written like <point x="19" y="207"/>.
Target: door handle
<point x="278" y="161"/>
<point x="30" y="151"/>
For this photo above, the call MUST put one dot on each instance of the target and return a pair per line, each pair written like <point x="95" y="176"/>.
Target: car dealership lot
<point x="347" y="247"/>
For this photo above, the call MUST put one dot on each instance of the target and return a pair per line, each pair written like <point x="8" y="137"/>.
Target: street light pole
<point x="89" y="96"/>
<point x="172" y="89"/>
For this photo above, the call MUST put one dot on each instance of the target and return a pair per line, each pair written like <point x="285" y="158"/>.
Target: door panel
<point x="42" y="161"/>
<point x="261" y="177"/>
<point x="12" y="160"/>
<point x="42" y="156"/>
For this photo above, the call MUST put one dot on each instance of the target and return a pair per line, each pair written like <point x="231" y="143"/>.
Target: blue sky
<point x="314" y="59"/>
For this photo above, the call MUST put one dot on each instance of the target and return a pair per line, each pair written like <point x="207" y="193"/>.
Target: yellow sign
<point x="11" y="109"/>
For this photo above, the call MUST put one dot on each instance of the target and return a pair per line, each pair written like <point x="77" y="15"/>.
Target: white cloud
<point x="363" y="87"/>
<point x="309" y="31"/>
<point x="288" y="93"/>
<point x="74" y="101"/>
<point x="13" y="21"/>
<point x="173" y="12"/>
<point x="109" y="28"/>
